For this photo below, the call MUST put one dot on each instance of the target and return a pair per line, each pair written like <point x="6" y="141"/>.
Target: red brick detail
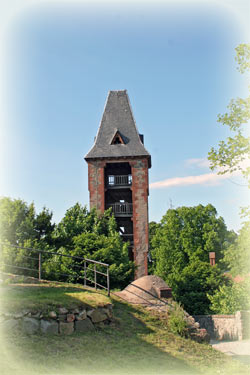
<point x="139" y="170"/>
<point x="140" y="214"/>
<point x="212" y="258"/>
<point x="96" y="185"/>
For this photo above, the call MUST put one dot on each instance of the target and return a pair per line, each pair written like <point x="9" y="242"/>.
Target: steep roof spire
<point x="117" y="134"/>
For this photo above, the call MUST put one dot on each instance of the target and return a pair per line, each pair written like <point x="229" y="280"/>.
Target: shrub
<point x="231" y="298"/>
<point x="176" y="320"/>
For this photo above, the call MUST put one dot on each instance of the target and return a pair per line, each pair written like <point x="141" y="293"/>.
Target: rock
<point x="52" y="315"/>
<point x="84" y="325"/>
<point x="10" y="324"/>
<point x="200" y="336"/>
<point x="62" y="317"/>
<point x="66" y="328"/>
<point x="76" y="311"/>
<point x="70" y="318"/>
<point x="19" y="314"/>
<point x="107" y="311"/>
<point x="30" y="325"/>
<point x="48" y="327"/>
<point x="9" y="315"/>
<point x="37" y="315"/>
<point x="109" y="306"/>
<point x="96" y="315"/>
<point x="63" y="310"/>
<point x="82" y="315"/>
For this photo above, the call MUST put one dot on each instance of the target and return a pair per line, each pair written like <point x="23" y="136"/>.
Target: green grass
<point x="137" y="342"/>
<point x="47" y="296"/>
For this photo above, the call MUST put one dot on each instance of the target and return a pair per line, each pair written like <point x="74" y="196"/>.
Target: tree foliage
<point x="80" y="233"/>
<point x="89" y="235"/>
<point x="230" y="298"/>
<point x="19" y="223"/>
<point x="237" y="256"/>
<point x="180" y="251"/>
<point x="230" y="154"/>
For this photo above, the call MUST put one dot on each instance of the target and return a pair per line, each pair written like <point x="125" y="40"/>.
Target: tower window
<point x="117" y="139"/>
<point x="111" y="180"/>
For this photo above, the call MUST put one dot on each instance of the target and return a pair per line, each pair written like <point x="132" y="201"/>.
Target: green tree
<point x="89" y="235"/>
<point x="19" y="222"/>
<point x="237" y="256"/>
<point x="16" y="220"/>
<point x="232" y="297"/>
<point x="44" y="227"/>
<point x="191" y="286"/>
<point x="232" y="152"/>
<point x="20" y="225"/>
<point x="228" y="158"/>
<point x="152" y="229"/>
<point x="180" y="250"/>
<point x="76" y="220"/>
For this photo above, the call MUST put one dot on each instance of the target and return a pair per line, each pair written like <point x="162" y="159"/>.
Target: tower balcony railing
<point x="119" y="180"/>
<point x="121" y="209"/>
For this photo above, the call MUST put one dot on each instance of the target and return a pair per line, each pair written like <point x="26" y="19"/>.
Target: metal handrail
<point x="85" y="267"/>
<point x="121" y="208"/>
<point x="120" y="180"/>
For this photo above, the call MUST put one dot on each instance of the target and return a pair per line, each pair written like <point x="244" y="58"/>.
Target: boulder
<point x="84" y="325"/>
<point x="66" y="328"/>
<point x="62" y="317"/>
<point x="108" y="310"/>
<point x="96" y="315"/>
<point x="82" y="315"/>
<point x="30" y="325"/>
<point x="52" y="315"/>
<point x="49" y="327"/>
<point x="70" y="318"/>
<point x="63" y="310"/>
<point x="200" y="335"/>
<point x="10" y="324"/>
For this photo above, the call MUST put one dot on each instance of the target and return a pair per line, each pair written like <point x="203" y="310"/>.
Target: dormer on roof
<point x="117" y="139"/>
<point x="117" y="134"/>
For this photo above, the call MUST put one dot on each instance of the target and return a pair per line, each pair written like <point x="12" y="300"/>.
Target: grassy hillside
<point x="137" y="342"/>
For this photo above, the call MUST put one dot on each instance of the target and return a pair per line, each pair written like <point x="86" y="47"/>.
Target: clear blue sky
<point x="176" y="60"/>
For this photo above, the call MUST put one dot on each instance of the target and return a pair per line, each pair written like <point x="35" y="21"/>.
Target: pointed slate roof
<point x="117" y="118"/>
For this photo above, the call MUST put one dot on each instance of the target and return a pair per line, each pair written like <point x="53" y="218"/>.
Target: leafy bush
<point x="176" y="320"/>
<point x="231" y="298"/>
<point x="90" y="235"/>
<point x="180" y="248"/>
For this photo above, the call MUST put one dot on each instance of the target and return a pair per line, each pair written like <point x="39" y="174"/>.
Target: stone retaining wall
<point x="226" y="327"/>
<point x="61" y="321"/>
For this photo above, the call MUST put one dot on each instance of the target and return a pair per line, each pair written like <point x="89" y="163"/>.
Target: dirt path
<point x="239" y="350"/>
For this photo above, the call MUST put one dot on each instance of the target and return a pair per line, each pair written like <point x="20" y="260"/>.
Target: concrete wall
<point x="226" y="327"/>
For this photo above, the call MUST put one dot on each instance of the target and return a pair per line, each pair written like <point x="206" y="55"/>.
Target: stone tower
<point x="118" y="175"/>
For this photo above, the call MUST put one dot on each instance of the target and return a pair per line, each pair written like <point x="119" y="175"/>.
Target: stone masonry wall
<point x="96" y="185"/>
<point x="139" y="170"/>
<point x="226" y="327"/>
<point x="62" y="321"/>
<point x="140" y="214"/>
